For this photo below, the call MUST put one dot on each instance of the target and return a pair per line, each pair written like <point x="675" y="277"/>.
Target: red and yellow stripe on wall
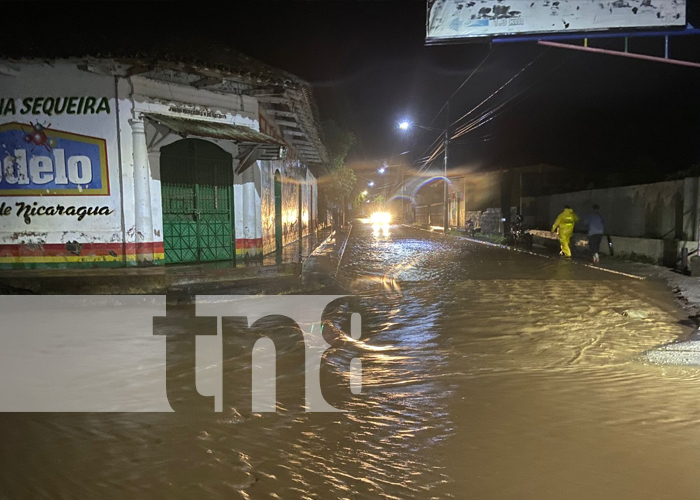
<point x="62" y="255"/>
<point x="250" y="247"/>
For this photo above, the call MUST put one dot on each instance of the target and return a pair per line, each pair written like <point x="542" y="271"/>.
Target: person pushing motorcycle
<point x="565" y="224"/>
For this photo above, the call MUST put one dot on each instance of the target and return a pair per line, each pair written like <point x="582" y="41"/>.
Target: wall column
<point x="142" y="194"/>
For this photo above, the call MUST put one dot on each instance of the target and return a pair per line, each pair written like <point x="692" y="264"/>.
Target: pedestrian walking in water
<point x="565" y="224"/>
<point x="597" y="227"/>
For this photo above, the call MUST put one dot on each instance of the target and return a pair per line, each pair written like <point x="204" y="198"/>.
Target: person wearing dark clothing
<point x="597" y="227"/>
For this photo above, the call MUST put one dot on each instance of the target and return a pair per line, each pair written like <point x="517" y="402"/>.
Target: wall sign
<point x="50" y="106"/>
<point x="188" y="110"/>
<point x="27" y="211"/>
<point x="38" y="160"/>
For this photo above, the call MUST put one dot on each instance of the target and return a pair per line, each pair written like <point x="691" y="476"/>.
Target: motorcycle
<point x="470" y="228"/>
<point x="519" y="234"/>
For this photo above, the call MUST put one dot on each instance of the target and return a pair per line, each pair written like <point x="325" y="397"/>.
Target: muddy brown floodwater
<point x="487" y="374"/>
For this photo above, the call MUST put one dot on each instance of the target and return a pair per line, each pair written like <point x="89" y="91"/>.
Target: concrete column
<point x="248" y="238"/>
<point x="142" y="194"/>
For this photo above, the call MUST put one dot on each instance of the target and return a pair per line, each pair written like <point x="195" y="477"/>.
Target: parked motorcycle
<point x="470" y="228"/>
<point x="520" y="235"/>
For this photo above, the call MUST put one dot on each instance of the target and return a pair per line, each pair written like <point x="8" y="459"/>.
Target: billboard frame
<point x="669" y="30"/>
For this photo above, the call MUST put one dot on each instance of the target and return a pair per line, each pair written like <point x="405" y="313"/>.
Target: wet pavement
<point x="487" y="373"/>
<point x="179" y="280"/>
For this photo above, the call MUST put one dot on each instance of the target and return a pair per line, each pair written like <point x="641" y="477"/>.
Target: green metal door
<point x="197" y="192"/>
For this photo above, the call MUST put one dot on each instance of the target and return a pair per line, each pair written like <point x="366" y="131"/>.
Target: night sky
<point x="370" y="67"/>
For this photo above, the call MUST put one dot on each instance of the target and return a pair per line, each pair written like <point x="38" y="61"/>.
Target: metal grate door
<point x="197" y="191"/>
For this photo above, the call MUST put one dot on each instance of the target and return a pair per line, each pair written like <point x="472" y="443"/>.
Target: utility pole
<point x="403" y="193"/>
<point x="447" y="145"/>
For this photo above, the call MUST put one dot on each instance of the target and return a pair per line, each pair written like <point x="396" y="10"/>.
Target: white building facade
<point x="121" y="163"/>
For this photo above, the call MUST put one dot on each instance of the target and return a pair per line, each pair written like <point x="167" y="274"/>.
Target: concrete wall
<point x="651" y="222"/>
<point x="664" y="210"/>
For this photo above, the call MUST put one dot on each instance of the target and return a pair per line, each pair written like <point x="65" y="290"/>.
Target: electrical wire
<point x="483" y="61"/>
<point x="496" y="110"/>
<point x="524" y="68"/>
<point x="466" y="128"/>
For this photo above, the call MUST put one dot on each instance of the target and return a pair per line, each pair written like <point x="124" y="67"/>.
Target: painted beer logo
<point x="38" y="160"/>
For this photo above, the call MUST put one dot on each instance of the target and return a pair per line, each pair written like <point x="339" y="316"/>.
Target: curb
<point x="341" y="253"/>
<point x="505" y="247"/>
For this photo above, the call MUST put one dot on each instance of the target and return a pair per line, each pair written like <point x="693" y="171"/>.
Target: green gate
<point x="197" y="191"/>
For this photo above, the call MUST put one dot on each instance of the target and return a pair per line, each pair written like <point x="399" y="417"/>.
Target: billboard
<point x="37" y="160"/>
<point x="453" y="20"/>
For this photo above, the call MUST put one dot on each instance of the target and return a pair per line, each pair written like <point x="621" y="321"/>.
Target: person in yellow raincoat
<point x="565" y="223"/>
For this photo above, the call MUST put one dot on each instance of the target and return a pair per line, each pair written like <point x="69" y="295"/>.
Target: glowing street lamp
<point x="371" y="184"/>
<point x="405" y="125"/>
<point x="364" y="193"/>
<point x="382" y="170"/>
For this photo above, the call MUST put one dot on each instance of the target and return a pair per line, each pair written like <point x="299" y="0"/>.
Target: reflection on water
<point x="381" y="230"/>
<point x="486" y="374"/>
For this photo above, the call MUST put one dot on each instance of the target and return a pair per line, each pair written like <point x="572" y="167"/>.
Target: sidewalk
<point x="272" y="273"/>
<point x="321" y="268"/>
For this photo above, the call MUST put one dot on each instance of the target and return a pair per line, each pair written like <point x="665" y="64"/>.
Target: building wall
<point x="294" y="179"/>
<point x="167" y="98"/>
<point x="52" y="239"/>
<point x="122" y="223"/>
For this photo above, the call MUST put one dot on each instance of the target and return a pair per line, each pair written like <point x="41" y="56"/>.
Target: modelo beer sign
<point x="38" y="160"/>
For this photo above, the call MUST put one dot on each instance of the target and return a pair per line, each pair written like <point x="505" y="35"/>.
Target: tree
<point x="342" y="183"/>
<point x="342" y="179"/>
<point x="339" y="143"/>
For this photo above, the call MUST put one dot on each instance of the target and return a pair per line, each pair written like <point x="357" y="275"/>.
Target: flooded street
<point x="487" y="374"/>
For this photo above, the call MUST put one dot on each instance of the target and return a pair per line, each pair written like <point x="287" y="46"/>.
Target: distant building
<point x="487" y="197"/>
<point x="141" y="161"/>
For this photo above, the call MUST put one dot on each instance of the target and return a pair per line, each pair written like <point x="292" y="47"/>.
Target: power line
<point x="483" y="61"/>
<point x="524" y="68"/>
<point x="440" y="147"/>
<point x="478" y="122"/>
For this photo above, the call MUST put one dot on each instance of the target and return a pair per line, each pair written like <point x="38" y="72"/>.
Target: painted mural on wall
<point x="38" y="160"/>
<point x="60" y="203"/>
<point x="291" y="183"/>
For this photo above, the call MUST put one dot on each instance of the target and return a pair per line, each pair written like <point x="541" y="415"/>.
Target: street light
<point x="405" y="125"/>
<point x="364" y="193"/>
<point x="382" y="170"/>
<point x="370" y="184"/>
